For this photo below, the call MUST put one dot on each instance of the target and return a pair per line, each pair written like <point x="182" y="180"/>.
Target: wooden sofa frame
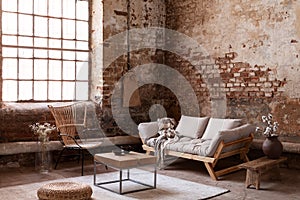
<point x="210" y="162"/>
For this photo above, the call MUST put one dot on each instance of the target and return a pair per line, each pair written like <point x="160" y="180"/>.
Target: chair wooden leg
<point x="58" y="159"/>
<point x="211" y="171"/>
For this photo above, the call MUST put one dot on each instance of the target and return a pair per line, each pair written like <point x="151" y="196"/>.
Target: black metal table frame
<point x="121" y="180"/>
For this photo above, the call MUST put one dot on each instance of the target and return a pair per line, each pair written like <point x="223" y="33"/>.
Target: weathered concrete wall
<point x="264" y="36"/>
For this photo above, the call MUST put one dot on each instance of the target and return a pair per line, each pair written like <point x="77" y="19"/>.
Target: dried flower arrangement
<point x="271" y="127"/>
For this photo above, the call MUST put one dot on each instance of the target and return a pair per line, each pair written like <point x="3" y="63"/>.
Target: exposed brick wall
<point x="16" y="118"/>
<point x="260" y="76"/>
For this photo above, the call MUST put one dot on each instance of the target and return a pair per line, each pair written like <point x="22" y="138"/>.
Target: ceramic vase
<point x="272" y="147"/>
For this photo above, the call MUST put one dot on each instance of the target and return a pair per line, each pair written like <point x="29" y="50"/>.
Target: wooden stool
<point x="256" y="168"/>
<point x="65" y="191"/>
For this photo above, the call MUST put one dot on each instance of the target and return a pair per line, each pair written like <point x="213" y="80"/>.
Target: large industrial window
<point x="44" y="50"/>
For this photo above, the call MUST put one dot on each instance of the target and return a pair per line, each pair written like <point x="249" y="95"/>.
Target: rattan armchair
<point x="71" y="122"/>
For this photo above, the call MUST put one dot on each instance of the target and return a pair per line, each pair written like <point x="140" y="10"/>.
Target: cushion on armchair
<point x="215" y="125"/>
<point x="192" y="127"/>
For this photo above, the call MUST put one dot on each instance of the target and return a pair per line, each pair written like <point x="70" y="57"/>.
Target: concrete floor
<point x="285" y="188"/>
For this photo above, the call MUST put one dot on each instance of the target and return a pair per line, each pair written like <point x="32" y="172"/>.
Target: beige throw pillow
<point x="215" y="125"/>
<point x="192" y="127"/>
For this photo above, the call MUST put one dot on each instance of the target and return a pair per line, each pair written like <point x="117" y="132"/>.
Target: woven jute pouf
<point x="65" y="191"/>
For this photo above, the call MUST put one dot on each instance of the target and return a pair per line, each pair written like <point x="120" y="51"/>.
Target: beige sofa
<point x="204" y="139"/>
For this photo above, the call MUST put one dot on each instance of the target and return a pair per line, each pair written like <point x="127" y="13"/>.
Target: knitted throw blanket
<point x="160" y="144"/>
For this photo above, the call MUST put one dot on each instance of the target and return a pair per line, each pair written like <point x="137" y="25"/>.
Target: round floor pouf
<point x="65" y="191"/>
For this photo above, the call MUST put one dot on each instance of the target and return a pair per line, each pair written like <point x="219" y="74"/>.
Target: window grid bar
<point x="18" y="60"/>
<point x="41" y="37"/>
<point x="49" y="17"/>
<point x="33" y="63"/>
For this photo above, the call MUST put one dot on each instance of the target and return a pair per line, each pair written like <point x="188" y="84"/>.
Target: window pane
<point x="25" y="6"/>
<point x="82" y="30"/>
<point x="55" y="8"/>
<point x="68" y="44"/>
<point x="25" y="53"/>
<point x="40" y="69"/>
<point x="10" y="69"/>
<point x="69" y="70"/>
<point x="82" y="89"/>
<point x="69" y="29"/>
<point x="25" y="69"/>
<point x="10" y="52"/>
<point x="68" y="90"/>
<point x="53" y="43"/>
<point x="82" y="71"/>
<point x="82" y="10"/>
<point x="54" y="54"/>
<point x="9" y="90"/>
<point x="83" y="56"/>
<point x="54" y="70"/>
<point x="55" y="90"/>
<point x="39" y="53"/>
<point x="69" y="55"/>
<point x="40" y="90"/>
<point x="25" y="25"/>
<point x="82" y="45"/>
<point x="9" y="23"/>
<point x="40" y="42"/>
<point x="25" y="90"/>
<point x="40" y="26"/>
<point x="25" y="41"/>
<point x="10" y="5"/>
<point x="11" y="40"/>
<point x="40" y="7"/>
<point x="54" y="28"/>
<point x="69" y="8"/>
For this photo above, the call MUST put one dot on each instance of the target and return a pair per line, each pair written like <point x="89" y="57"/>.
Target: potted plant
<point x="271" y="147"/>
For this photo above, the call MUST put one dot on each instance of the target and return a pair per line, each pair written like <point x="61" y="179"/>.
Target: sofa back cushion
<point x="215" y="125"/>
<point x="229" y="136"/>
<point x="147" y="130"/>
<point x="192" y="127"/>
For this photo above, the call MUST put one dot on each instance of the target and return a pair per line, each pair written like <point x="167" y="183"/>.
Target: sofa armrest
<point x="230" y="135"/>
<point x="147" y="130"/>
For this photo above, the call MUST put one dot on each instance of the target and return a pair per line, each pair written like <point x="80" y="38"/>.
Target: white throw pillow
<point x="215" y="125"/>
<point x="147" y="130"/>
<point x="192" y="127"/>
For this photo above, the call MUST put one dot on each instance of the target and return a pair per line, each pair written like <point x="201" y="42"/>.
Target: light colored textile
<point x="147" y="130"/>
<point x="167" y="188"/>
<point x="208" y="147"/>
<point x="215" y="125"/>
<point x="192" y="127"/>
<point x="229" y="136"/>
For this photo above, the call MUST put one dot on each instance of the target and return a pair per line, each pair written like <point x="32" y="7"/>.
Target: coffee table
<point x="125" y="162"/>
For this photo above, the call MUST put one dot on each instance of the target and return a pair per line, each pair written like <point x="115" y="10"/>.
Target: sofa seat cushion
<point x="185" y="145"/>
<point x="194" y="146"/>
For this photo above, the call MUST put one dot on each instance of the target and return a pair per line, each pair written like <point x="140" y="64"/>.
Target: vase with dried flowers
<point x="271" y="147"/>
<point x="43" y="156"/>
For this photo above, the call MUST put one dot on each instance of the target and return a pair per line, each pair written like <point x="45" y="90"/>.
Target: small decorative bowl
<point x="120" y="152"/>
